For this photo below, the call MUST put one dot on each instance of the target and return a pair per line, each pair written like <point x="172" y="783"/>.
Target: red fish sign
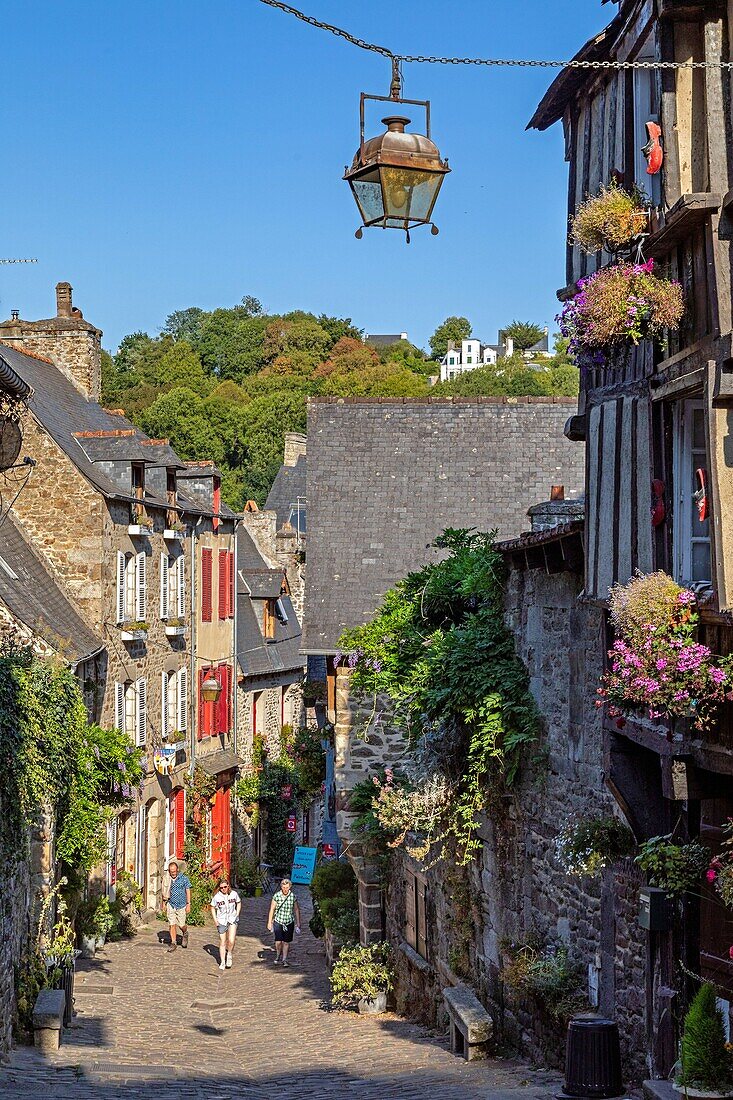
<point x="653" y="149"/>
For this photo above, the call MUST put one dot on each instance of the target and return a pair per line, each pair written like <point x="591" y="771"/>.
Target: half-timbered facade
<point x="656" y="421"/>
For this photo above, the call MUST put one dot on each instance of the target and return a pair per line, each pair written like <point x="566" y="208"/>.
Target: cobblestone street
<point x="153" y="1024"/>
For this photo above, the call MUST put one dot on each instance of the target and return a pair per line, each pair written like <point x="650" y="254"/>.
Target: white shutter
<point x="183" y="699"/>
<point x="140" y="587"/>
<point x="120" y="587"/>
<point x="164" y="703"/>
<point x="164" y="586"/>
<point x="181" y="586"/>
<point x="141" y="712"/>
<point x="120" y="706"/>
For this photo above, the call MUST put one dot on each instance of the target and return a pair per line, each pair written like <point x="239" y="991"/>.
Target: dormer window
<point x="171" y="497"/>
<point x="138" y="480"/>
<point x="217" y="501"/>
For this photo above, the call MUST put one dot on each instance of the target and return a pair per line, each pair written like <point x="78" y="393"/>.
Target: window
<point x="646" y="110"/>
<point x="415" y="923"/>
<point x="141" y="712"/>
<point x="206" y="578"/>
<point x="269" y="618"/>
<point x="180" y="578"/>
<point x="469" y="359"/>
<point x="224" y="585"/>
<point x="691" y="535"/>
<point x="216" y="717"/>
<point x="182" y="691"/>
<point x="165" y="562"/>
<point x="217" y="503"/>
<point x="169" y="703"/>
<point x="138" y="480"/>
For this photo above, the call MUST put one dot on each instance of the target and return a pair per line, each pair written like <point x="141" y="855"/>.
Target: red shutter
<point x="206" y="567"/>
<point x="224" y="716"/>
<point x="221" y="829"/>
<point x="223" y="584"/>
<point x="180" y="819"/>
<point x="232" y="584"/>
<point x="207" y="711"/>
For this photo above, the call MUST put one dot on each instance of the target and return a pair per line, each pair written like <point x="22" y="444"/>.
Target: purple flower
<point x="337" y="658"/>
<point x="121" y="767"/>
<point x="718" y="676"/>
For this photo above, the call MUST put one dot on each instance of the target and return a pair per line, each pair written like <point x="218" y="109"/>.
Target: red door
<point x="177" y="810"/>
<point x="221" y="829"/>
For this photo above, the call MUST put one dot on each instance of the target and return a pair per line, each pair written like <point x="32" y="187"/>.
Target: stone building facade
<point x="112" y="514"/>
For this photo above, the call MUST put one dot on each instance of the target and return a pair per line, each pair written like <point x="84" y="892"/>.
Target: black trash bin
<point x="64" y="979"/>
<point x="592" y="1058"/>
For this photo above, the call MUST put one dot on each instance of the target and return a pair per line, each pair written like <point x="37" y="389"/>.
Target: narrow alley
<point x="155" y="1024"/>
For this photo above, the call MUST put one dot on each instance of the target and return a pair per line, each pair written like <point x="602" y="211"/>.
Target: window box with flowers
<point x="656" y="666"/>
<point x="175" y="532"/>
<point x="615" y="308"/>
<point x="134" y="632"/>
<point x="175" y="628"/>
<point x="140" y="522"/>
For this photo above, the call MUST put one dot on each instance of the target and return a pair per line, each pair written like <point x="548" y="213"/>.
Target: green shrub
<point x="336" y="898"/>
<point x="585" y="847"/>
<point x="705" y="1061"/>
<point x="360" y="973"/>
<point x="671" y="866"/>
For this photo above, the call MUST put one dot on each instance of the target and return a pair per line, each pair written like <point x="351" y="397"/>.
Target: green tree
<point x="453" y="328"/>
<point x="265" y="421"/>
<point x="184" y="324"/>
<point x="296" y="332"/>
<point x="231" y="341"/>
<point x="705" y="1062"/>
<point x="524" y="334"/>
<point x="338" y="327"/>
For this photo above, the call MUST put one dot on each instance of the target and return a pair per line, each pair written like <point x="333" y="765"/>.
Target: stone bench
<point x="48" y="1017"/>
<point x="471" y="1027"/>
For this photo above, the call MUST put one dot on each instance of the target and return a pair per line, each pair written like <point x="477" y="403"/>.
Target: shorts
<point x="284" y="932"/>
<point x="222" y="928"/>
<point x="177" y="916"/>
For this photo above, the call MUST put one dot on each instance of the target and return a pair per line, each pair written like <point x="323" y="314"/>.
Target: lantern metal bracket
<point x="389" y="99"/>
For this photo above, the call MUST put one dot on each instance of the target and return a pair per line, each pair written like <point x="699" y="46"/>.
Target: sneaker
<point x="285" y="962"/>
<point x="172" y="946"/>
<point x="184" y="938"/>
<point x="276" y="960"/>
<point x="222" y="965"/>
<point x="229" y="959"/>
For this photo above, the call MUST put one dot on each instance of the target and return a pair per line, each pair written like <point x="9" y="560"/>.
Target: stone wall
<point x="21" y="889"/>
<point x="517" y="888"/>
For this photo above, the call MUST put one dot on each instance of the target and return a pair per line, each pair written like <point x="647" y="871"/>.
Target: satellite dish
<point x="11" y="440"/>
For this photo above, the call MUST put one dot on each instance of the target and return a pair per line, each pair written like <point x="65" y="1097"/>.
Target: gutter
<point x="12" y="382"/>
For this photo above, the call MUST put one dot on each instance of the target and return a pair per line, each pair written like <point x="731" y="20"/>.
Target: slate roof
<point x="289" y="484"/>
<point x="386" y="476"/>
<point x="86" y="432"/>
<point x="33" y="596"/>
<point x="256" y="581"/>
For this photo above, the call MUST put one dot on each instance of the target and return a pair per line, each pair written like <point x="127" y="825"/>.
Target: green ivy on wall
<point x="440" y="651"/>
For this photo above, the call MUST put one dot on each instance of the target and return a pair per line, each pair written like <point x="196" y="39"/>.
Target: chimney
<point x="295" y="447"/>
<point x="63" y="300"/>
<point x="556" y="510"/>
<point x="66" y="340"/>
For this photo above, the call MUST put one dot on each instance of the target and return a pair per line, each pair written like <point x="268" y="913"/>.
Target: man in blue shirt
<point x="179" y="904"/>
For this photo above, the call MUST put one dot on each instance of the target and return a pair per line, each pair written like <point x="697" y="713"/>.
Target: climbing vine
<point x="50" y="757"/>
<point x="438" y="662"/>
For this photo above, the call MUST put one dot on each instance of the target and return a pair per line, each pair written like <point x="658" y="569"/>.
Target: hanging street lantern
<point x="395" y="177"/>
<point x="211" y="689"/>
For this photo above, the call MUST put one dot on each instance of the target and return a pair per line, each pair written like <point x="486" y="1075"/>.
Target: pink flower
<point x="730" y="952"/>
<point x="661" y="663"/>
<point x="711" y="874"/>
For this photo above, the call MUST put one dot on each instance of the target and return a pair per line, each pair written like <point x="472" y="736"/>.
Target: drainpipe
<point x="235" y="678"/>
<point x="193" y="683"/>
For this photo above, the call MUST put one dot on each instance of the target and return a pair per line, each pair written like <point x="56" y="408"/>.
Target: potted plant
<point x="175" y="627"/>
<point x="94" y="921"/>
<point x="656" y="666"/>
<point x="585" y="847"/>
<point x="610" y="219"/>
<point x="140" y="522"/>
<point x="617" y="307"/>
<point x="672" y="869"/>
<point x="175" y="531"/>
<point x="705" y="1065"/>
<point x="247" y="875"/>
<point x="362" y="977"/>
<point x="314" y="691"/>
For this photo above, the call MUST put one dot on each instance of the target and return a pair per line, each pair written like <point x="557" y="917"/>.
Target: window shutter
<point x="223" y="706"/>
<point x="164" y="703"/>
<point x="223" y="584"/>
<point x="120" y="587"/>
<point x="232" y="585"/>
<point x="201" y="732"/>
<point x="120" y="706"/>
<point x="141" y="712"/>
<point x="164" y="586"/>
<point x="181" y="586"/>
<point x="183" y="699"/>
<point x="140" y="587"/>
<point x="180" y="830"/>
<point x="206" y="566"/>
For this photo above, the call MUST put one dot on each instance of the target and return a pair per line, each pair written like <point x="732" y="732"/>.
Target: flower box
<point x="133" y="634"/>
<point x="139" y="528"/>
<point x="170" y="534"/>
<point x="172" y="631"/>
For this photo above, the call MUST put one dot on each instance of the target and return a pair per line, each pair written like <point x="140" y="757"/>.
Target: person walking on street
<point x="225" y="906"/>
<point x="283" y="919"/>
<point x="178" y="901"/>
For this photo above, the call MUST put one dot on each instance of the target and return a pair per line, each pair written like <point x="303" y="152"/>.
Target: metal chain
<point x="522" y="63"/>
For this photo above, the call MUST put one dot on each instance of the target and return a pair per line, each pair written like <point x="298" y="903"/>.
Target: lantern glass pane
<point x="410" y="193"/>
<point x="368" y="195"/>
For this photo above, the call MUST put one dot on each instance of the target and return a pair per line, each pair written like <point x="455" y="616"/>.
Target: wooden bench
<point x="471" y="1027"/>
<point x="48" y="1017"/>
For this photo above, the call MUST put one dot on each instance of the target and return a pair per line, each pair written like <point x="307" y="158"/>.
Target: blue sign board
<point x="304" y="864"/>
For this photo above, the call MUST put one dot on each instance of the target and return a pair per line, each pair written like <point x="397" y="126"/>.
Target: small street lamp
<point x="211" y="689"/>
<point x="395" y="177"/>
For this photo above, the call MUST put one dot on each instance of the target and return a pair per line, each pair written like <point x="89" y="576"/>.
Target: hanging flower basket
<point x="656" y="666"/>
<point x="610" y="220"/>
<point x="617" y="307"/>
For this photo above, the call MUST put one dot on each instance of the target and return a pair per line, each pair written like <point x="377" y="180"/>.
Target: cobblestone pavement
<point x="152" y="1024"/>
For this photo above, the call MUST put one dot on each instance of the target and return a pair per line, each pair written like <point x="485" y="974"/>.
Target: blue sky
<point x="165" y="154"/>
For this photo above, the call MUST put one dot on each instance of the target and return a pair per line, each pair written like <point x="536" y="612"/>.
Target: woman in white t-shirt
<point x="225" y="906"/>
